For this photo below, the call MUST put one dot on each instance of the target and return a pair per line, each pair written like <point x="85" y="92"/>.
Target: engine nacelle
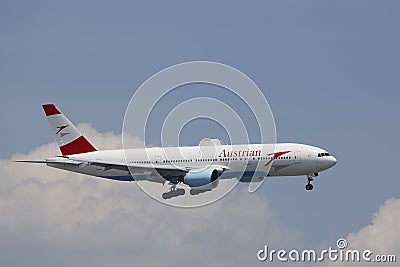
<point x="197" y="178"/>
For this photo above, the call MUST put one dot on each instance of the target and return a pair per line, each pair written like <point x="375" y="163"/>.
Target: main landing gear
<point x="310" y="178"/>
<point x="173" y="192"/>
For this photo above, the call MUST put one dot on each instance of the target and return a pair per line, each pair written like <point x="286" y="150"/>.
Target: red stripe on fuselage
<point x="50" y="109"/>
<point x="78" y="146"/>
<point x="278" y="154"/>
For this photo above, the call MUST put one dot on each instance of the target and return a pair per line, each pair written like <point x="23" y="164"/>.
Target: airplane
<point x="199" y="167"/>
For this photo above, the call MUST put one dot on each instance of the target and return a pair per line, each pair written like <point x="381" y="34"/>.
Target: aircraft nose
<point x="332" y="161"/>
<point x="327" y="162"/>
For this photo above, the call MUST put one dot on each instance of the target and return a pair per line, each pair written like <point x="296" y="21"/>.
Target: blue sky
<point x="329" y="69"/>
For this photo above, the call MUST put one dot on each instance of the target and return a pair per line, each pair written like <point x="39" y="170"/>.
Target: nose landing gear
<point x="310" y="178"/>
<point x="309" y="186"/>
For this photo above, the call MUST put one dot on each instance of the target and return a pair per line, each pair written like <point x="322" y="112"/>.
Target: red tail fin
<point x="69" y="138"/>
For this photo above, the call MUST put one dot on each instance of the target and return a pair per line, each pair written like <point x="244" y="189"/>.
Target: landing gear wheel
<point x="309" y="187"/>
<point x="310" y="178"/>
<point x="173" y="193"/>
<point x="195" y="191"/>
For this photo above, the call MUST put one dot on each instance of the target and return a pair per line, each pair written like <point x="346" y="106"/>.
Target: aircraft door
<point x="157" y="159"/>
<point x="297" y="157"/>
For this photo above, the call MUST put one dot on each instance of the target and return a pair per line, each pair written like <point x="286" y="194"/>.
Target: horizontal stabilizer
<point x="31" y="161"/>
<point x="57" y="161"/>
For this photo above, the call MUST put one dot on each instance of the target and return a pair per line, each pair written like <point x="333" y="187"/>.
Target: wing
<point x="159" y="173"/>
<point x="163" y="170"/>
<point x="168" y="172"/>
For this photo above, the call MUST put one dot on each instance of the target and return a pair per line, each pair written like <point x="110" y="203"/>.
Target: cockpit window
<point x="323" y="155"/>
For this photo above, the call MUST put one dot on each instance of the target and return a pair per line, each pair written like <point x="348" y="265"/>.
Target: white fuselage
<point x="238" y="161"/>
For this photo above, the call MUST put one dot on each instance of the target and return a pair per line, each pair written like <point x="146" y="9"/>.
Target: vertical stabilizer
<point x="69" y="138"/>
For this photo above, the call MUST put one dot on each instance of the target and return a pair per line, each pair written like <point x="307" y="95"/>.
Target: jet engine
<point x="202" y="177"/>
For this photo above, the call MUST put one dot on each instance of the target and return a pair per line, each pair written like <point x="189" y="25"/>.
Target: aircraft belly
<point x="287" y="170"/>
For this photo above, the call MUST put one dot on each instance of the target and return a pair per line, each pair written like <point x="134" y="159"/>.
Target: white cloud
<point x="383" y="235"/>
<point x="53" y="217"/>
